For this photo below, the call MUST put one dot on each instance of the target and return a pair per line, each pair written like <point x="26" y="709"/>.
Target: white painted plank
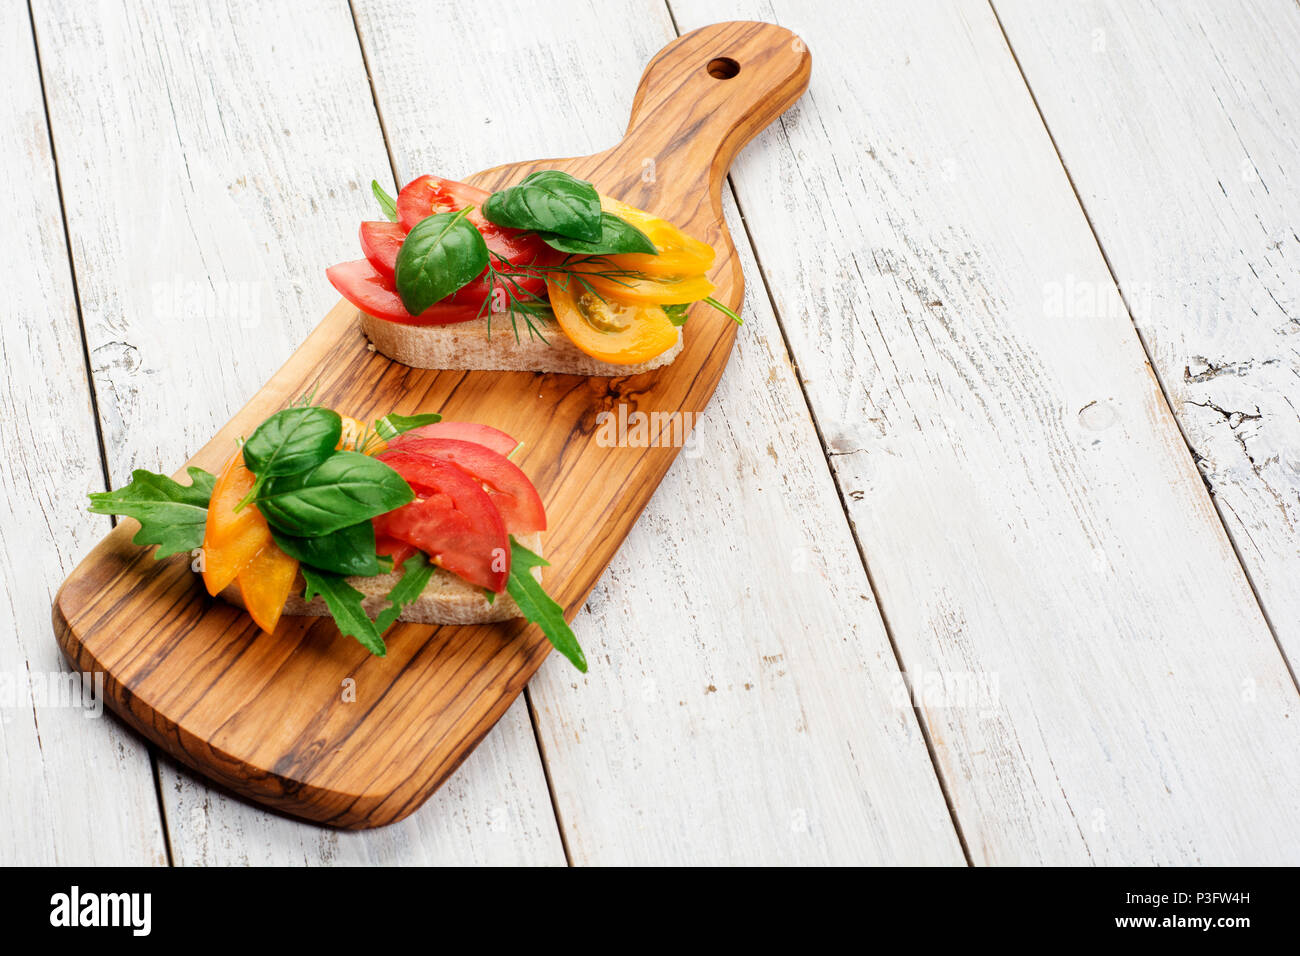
<point x="1026" y="504"/>
<point x="218" y="158"/>
<point x="742" y="704"/>
<point x="1192" y="188"/>
<point x="73" y="790"/>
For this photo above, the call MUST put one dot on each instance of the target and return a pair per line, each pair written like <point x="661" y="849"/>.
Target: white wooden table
<point x="1014" y="414"/>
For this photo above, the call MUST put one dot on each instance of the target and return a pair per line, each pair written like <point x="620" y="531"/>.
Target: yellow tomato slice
<point x="354" y="430"/>
<point x="621" y="333"/>
<point x="639" y="289"/>
<point x="679" y="254"/>
<point x="265" y="585"/>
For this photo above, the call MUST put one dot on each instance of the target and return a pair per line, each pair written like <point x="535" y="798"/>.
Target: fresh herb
<point x="345" y="488"/>
<point x="391" y="425"/>
<point x="616" y="236"/>
<point x="548" y="201"/>
<point x="677" y="312"/>
<point x="386" y="202"/>
<point x="442" y="253"/>
<point x="349" y="550"/>
<point x="537" y="606"/>
<point x="292" y="440"/>
<point x="505" y="288"/>
<point x="416" y="571"/>
<point x="728" y="312"/>
<point x="344" y="603"/>
<point x="171" y="515"/>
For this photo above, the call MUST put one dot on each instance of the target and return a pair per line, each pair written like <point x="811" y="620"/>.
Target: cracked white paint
<point x="1194" y="190"/>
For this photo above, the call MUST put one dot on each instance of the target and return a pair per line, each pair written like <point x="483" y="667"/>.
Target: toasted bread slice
<point x="478" y="344"/>
<point x="446" y="599"/>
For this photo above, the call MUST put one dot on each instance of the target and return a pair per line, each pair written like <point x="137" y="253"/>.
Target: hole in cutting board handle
<point x="723" y="68"/>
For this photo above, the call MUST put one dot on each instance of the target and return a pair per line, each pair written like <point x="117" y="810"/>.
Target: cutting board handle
<point x="707" y="94"/>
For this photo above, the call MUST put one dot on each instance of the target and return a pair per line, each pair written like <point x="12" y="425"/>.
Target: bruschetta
<point x="546" y="275"/>
<point x="409" y="518"/>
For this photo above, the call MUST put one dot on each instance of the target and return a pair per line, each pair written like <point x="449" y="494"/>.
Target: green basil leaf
<point x="390" y="426"/>
<point x="538" y="607"/>
<point x="345" y="488"/>
<point x="616" y="236"/>
<point x="416" y="571"/>
<point x="442" y="253"/>
<point x="292" y="440"/>
<point x="349" y="550"/>
<point x="548" y="201"/>
<point x="344" y="603"/>
<point x="171" y="515"/>
<point x="676" y="313"/>
<point x="386" y="202"/>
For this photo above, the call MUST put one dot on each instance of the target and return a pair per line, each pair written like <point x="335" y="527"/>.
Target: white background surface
<point x="1014" y="413"/>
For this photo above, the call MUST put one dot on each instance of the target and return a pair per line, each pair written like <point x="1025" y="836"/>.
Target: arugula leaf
<point x="538" y="607"/>
<point x="344" y="603"/>
<point x="386" y="202"/>
<point x="349" y="550"/>
<point x="292" y="440"/>
<point x="416" y="571"/>
<point x="616" y="236"/>
<point x="548" y="201"/>
<point x="676" y="313"/>
<point x="442" y="253"/>
<point x="345" y="488"/>
<point x="391" y="425"/>
<point x="171" y="515"/>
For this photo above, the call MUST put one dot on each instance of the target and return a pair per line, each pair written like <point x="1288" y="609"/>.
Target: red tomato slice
<point x="371" y="289"/>
<point x="485" y="435"/>
<point x="380" y="242"/>
<point x="399" y="551"/>
<point x="507" y="486"/>
<point x="455" y="522"/>
<point x="366" y="288"/>
<point x="429" y="194"/>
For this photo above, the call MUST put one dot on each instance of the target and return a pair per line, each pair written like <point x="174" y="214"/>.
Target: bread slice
<point x="478" y="344"/>
<point x="446" y="599"/>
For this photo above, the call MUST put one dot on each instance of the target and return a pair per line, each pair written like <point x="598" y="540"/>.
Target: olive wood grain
<point x="266" y="715"/>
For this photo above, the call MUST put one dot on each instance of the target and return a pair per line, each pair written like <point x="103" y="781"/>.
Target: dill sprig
<point x="531" y="306"/>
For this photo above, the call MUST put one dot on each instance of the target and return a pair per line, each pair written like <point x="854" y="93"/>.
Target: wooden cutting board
<point x="307" y="721"/>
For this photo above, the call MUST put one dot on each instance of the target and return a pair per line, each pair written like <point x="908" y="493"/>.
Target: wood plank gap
<point x="1146" y="348"/>
<point x="374" y="97"/>
<point x="90" y="376"/>
<point x="839" y="494"/>
<point x="546" y="772"/>
<point x="853" y="528"/>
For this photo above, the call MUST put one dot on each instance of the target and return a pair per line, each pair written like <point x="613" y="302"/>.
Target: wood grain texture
<point x="73" y="790"/>
<point x="1192" y="189"/>
<point x="219" y="157"/>
<point x="742" y="705"/>
<point x="261" y="714"/>
<point x="1026" y="504"/>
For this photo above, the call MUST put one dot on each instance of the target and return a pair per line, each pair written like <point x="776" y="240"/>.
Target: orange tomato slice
<point x="610" y="330"/>
<point x="231" y="539"/>
<point x="265" y="584"/>
<point x="353" y="430"/>
<point x="679" y="254"/>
